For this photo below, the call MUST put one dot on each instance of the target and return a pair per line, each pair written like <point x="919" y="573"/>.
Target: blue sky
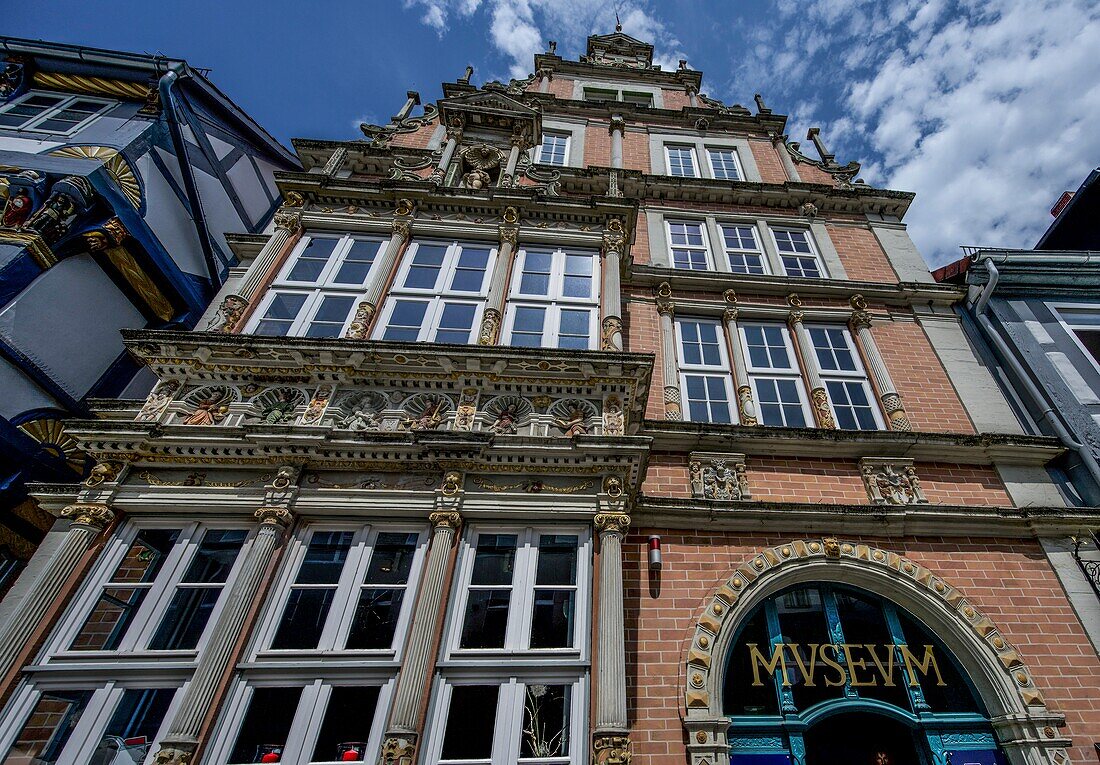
<point x="987" y="110"/>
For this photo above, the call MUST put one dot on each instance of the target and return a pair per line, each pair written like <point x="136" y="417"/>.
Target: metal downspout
<point x="164" y="86"/>
<point x="1006" y="354"/>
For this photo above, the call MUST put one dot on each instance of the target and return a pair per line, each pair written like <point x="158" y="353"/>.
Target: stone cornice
<point x="674" y="80"/>
<point x="867" y="520"/>
<point x="983" y="449"/>
<point x="901" y="294"/>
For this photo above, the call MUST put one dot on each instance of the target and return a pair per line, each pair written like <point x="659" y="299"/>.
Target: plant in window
<point x="540" y="742"/>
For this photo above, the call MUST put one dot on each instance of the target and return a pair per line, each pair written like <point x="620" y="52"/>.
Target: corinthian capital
<point x="445" y="520"/>
<point x="290" y="220"/>
<point x="96" y="515"/>
<point x="612" y="523"/>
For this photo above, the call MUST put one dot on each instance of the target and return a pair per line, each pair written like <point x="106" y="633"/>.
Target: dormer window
<point x="56" y="113"/>
<point x="626" y="96"/>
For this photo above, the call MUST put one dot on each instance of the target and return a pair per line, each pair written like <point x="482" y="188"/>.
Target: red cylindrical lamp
<point x="654" y="551"/>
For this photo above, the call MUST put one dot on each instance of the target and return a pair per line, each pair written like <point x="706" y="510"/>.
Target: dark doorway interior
<point x="860" y="738"/>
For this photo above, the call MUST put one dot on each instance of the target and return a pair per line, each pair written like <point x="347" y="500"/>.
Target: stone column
<point x="498" y="282"/>
<point x="693" y="96"/>
<point x="611" y="302"/>
<point x="454" y="135"/>
<point x="182" y="739"/>
<point x="616" y="129"/>
<point x="780" y="144"/>
<point x="746" y="407"/>
<point x="891" y="401"/>
<point x="287" y="224"/>
<point x="670" y="368"/>
<point x="609" y="684"/>
<point x="545" y="75"/>
<point x="364" y="312"/>
<point x="819" y="397"/>
<point x="402" y="730"/>
<point x="519" y="143"/>
<point x="88" y="520"/>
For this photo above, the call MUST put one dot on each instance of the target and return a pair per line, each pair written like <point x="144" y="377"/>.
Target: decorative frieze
<point x="718" y="475"/>
<point x="891" y="481"/>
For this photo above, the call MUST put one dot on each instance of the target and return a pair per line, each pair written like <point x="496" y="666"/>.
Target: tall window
<point x="439" y="293"/>
<point x="724" y="164"/>
<point x="743" y="250"/>
<point x="689" y="245"/>
<point x="842" y="372"/>
<point x="704" y="371"/>
<point x="316" y="292"/>
<point x="519" y="613"/>
<point x="164" y="586"/>
<point x="774" y="375"/>
<point x="797" y="253"/>
<point x="554" y="298"/>
<point x="52" y="112"/>
<point x="554" y="149"/>
<point x="681" y="161"/>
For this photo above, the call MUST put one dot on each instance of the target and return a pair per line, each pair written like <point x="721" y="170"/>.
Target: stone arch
<point x="1025" y="728"/>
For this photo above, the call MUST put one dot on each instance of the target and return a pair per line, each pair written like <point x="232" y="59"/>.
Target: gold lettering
<point x="929" y="662"/>
<point x="808" y="675"/>
<point x="887" y="672"/>
<point x="831" y="662"/>
<point x="769" y="666"/>
<point x="854" y="664"/>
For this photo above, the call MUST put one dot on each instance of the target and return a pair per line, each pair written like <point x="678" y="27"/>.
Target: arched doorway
<point x="824" y="673"/>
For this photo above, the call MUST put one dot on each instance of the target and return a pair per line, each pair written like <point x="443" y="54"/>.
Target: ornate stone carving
<point x="716" y="475"/>
<point x="210" y="405"/>
<point x="895" y="412"/>
<point x="360" y="324"/>
<point x="285" y="477"/>
<point x="103" y="472"/>
<point x="274" y="516"/>
<point x="276" y="406"/>
<point x="290" y="220"/>
<point x="425" y="413"/>
<point x="612" y="326"/>
<point x="665" y="306"/>
<point x="171" y="755"/>
<point x="573" y="417"/>
<point x="808" y="210"/>
<point x="820" y="401"/>
<point x="612" y="523"/>
<point x="490" y="327"/>
<point x="506" y="413"/>
<point x="317" y="405"/>
<point x="614" y="237"/>
<point x="611" y="750"/>
<point x="467" y="408"/>
<point x="891" y="481"/>
<point x="672" y="403"/>
<point x="746" y="406"/>
<point x="229" y="314"/>
<point x="397" y="751"/>
<point x="730" y="311"/>
<point x="93" y="514"/>
<point x="446" y="519"/>
<point x="613" y="419"/>
<point x="158" y="400"/>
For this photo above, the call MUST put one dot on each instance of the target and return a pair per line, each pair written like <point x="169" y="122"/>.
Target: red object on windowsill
<point x="350" y="756"/>
<point x="271" y="757"/>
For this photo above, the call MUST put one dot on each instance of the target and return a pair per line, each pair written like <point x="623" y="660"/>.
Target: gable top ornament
<point x="620" y="50"/>
<point x="492" y="110"/>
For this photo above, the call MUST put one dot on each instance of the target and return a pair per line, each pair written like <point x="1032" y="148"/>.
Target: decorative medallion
<point x="54" y="441"/>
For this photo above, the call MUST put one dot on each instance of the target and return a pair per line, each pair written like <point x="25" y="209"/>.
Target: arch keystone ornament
<point x="1021" y="722"/>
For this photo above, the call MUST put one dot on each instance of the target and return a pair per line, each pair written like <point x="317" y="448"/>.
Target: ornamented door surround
<point x="1025" y="729"/>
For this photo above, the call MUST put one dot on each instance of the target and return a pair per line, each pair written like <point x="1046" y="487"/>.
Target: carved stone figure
<point x="158" y="400"/>
<point x="430" y="419"/>
<point x="718" y="476"/>
<point x="505" y="421"/>
<point x="360" y="419"/>
<point x="576" y="424"/>
<point x="17" y="209"/>
<point x="477" y="179"/>
<point x="613" y="421"/>
<point x="891" y="481"/>
<point x="278" y="409"/>
<point x="208" y="411"/>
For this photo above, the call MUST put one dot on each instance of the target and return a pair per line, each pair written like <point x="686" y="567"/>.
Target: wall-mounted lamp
<point x="654" y="551"/>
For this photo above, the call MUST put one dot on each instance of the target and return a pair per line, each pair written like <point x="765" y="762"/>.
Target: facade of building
<point x="123" y="179"/>
<point x="581" y="418"/>
<point x="1035" y="317"/>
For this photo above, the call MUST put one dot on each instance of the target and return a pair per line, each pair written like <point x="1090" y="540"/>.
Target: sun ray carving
<point x="117" y="166"/>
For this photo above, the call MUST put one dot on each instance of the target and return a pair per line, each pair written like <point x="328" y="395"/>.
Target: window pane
<point x="266" y="724"/>
<point x="392" y="558"/>
<point x="536" y="273"/>
<point x="405" y="320"/>
<point x="724" y="164"/>
<point x="280" y="314"/>
<point x="527" y="326"/>
<point x="313" y="259"/>
<point x="494" y="559"/>
<point x="133" y="727"/>
<point x="185" y="619"/>
<point x="471" y="720"/>
<point x="486" y="619"/>
<point x="545" y="731"/>
<point x="48" y="728"/>
<point x="303" y="619"/>
<point x="109" y="620"/>
<point x="425" y="267"/>
<point x="357" y="262"/>
<point x="557" y="559"/>
<point x="376" y="617"/>
<point x="470" y="271"/>
<point x="215" y="555"/>
<point x="330" y="317"/>
<point x="347" y="724"/>
<point x="577" y="280"/>
<point x="325" y="557"/>
<point x="552" y="619"/>
<point x="456" y="323"/>
<point x="146" y="556"/>
<point x="573" y="329"/>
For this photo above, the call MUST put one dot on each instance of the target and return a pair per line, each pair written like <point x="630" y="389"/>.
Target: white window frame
<point x="589" y="89"/>
<point x="521" y="604"/>
<point x="437" y="297"/>
<point x="720" y="371"/>
<point x="153" y="607"/>
<point x="670" y="147"/>
<point x="554" y="301"/>
<point x="814" y="253"/>
<point x="758" y="252"/>
<point x="88" y="731"/>
<point x="346" y="596"/>
<point x="568" y="137"/>
<point x="710" y="150"/>
<point x="508" y="724"/>
<point x="793" y="373"/>
<point x="858" y="375"/>
<point x="306" y="314"/>
<point x="31" y="122"/>
<point x="308" y="717"/>
<point x="1070" y="328"/>
<point x="702" y="224"/>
